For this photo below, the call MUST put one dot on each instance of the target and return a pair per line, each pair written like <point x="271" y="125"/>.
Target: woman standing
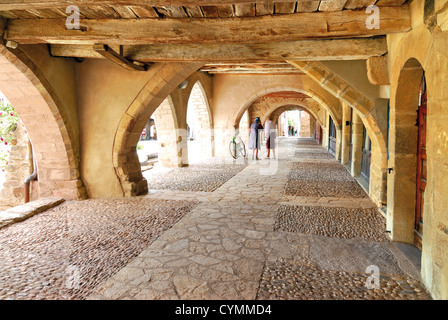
<point x="271" y="134"/>
<point x="254" y="138"/>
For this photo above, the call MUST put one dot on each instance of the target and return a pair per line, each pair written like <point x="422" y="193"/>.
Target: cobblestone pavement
<point x="230" y="247"/>
<point x="67" y="251"/>
<point x="245" y="237"/>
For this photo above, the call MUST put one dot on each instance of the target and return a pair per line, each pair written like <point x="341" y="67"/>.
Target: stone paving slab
<point x="25" y="211"/>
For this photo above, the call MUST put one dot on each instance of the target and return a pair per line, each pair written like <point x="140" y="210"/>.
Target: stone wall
<point x="423" y="49"/>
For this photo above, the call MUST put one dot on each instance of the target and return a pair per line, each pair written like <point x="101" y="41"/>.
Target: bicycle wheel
<point x="242" y="149"/>
<point x="232" y="149"/>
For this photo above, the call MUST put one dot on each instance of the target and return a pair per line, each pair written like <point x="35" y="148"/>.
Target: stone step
<point x="25" y="211"/>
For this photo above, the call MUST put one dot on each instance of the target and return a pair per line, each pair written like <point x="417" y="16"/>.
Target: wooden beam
<point x="251" y="68"/>
<point x="339" y="49"/>
<point x="44" y="4"/>
<point x="288" y="27"/>
<point x="113" y="56"/>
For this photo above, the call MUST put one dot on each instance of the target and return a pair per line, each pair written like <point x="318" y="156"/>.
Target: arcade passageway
<point x="127" y="132"/>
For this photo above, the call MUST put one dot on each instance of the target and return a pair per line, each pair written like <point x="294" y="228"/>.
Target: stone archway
<point x="310" y="117"/>
<point x="403" y="151"/>
<point x="47" y="126"/>
<point x="334" y="108"/>
<point x="166" y="78"/>
<point x="200" y="123"/>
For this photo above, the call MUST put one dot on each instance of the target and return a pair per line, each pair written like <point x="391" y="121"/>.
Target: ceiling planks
<point x="285" y="27"/>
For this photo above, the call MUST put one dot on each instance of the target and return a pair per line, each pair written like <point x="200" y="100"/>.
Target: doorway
<point x="421" y="164"/>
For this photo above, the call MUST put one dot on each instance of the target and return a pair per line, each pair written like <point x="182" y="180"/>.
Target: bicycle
<point x="237" y="147"/>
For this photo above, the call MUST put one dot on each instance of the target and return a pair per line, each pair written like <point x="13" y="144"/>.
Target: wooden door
<point x="350" y="144"/>
<point x="421" y="165"/>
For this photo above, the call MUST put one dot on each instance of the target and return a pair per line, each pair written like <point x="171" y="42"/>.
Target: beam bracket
<point x="115" y="57"/>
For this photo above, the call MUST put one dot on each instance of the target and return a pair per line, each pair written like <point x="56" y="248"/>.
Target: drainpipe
<point x="28" y="180"/>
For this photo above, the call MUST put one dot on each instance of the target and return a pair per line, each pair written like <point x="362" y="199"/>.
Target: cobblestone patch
<point x="65" y="252"/>
<point x="283" y="281"/>
<point x="345" y="223"/>
<point x="318" y="154"/>
<point x="196" y="177"/>
<point x="308" y="179"/>
<point x="341" y="189"/>
<point x="319" y="171"/>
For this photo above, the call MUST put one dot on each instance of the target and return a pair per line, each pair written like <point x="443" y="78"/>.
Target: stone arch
<point x="341" y="89"/>
<point x="274" y="116"/>
<point x="334" y="108"/>
<point x="312" y="110"/>
<point x="49" y="130"/>
<point x="198" y="112"/>
<point x="165" y="79"/>
<point x="403" y="150"/>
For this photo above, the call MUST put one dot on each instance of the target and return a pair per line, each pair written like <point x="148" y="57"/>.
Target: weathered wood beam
<point x="288" y="27"/>
<point x="251" y="68"/>
<point x="42" y="4"/>
<point x="339" y="49"/>
<point x="115" y="57"/>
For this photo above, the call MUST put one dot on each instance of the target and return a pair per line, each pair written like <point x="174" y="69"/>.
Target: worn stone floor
<point x="297" y="227"/>
<point x="254" y="238"/>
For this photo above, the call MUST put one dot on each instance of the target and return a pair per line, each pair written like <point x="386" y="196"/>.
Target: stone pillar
<point x="305" y="128"/>
<point x="173" y="147"/>
<point x="338" y="143"/>
<point x="18" y="169"/>
<point x="312" y="127"/>
<point x="357" y="140"/>
<point x="325" y="131"/>
<point x="346" y="125"/>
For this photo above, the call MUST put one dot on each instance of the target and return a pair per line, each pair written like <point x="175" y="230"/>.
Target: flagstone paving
<point x="244" y="236"/>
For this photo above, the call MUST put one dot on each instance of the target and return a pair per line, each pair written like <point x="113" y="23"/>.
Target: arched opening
<point x="50" y="134"/>
<point x="199" y="126"/>
<point x="408" y="175"/>
<point x="125" y="158"/>
<point x="159" y="147"/>
<point x="294" y="96"/>
<point x="16" y="161"/>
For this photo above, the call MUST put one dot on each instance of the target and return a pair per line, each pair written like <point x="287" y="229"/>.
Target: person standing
<point x="254" y="137"/>
<point x="271" y="134"/>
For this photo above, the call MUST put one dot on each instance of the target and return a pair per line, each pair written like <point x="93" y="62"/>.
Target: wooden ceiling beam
<point x="45" y="4"/>
<point x="339" y="49"/>
<point x="287" y="27"/>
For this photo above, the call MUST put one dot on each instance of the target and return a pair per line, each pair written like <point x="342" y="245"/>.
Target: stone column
<point x="338" y="143"/>
<point x="357" y="140"/>
<point x="305" y="131"/>
<point x="325" y="131"/>
<point x="312" y="127"/>
<point x="346" y="125"/>
<point x="19" y="167"/>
